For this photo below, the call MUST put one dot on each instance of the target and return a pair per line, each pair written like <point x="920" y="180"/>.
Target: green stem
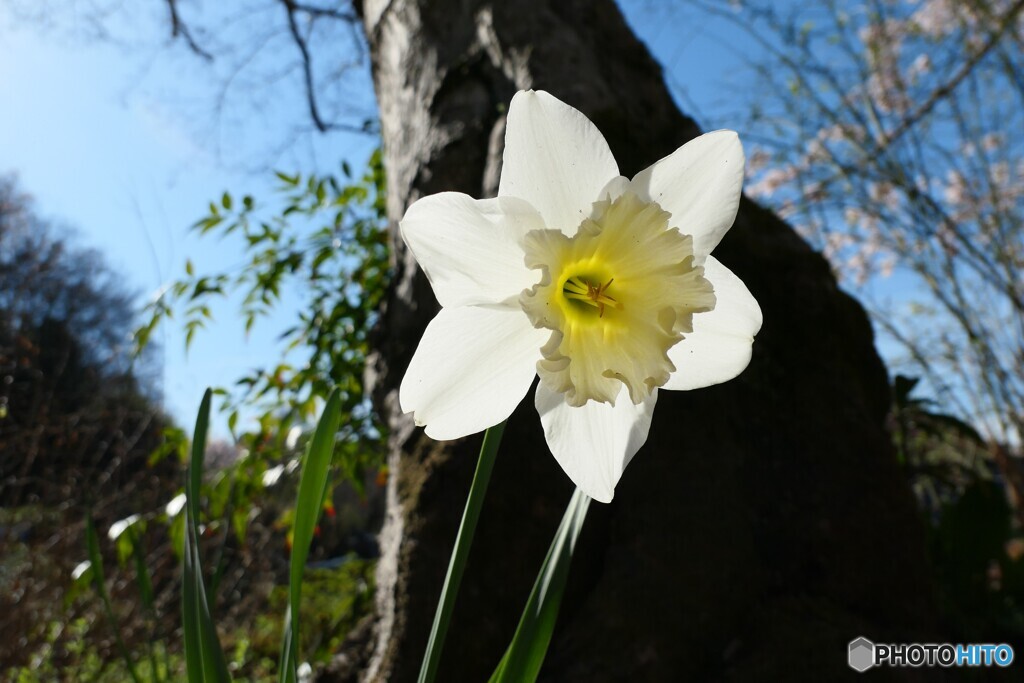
<point x="146" y="593"/>
<point x="99" y="581"/>
<point x="457" y="565"/>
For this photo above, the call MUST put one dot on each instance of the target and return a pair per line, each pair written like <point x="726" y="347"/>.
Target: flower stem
<point x="457" y="565"/>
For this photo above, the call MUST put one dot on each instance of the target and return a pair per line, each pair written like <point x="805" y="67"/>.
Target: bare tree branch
<point x="292" y="8"/>
<point x="314" y="12"/>
<point x="340" y="12"/>
<point x="180" y="29"/>
<point x="947" y="88"/>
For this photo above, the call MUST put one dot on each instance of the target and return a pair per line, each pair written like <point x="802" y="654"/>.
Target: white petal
<point x="555" y="159"/>
<point x="595" y="442"/>
<point x="120" y="526"/>
<point x="700" y="185"/>
<point x="175" y="505"/>
<point x="719" y="347"/>
<point x="469" y="248"/>
<point x="292" y="439"/>
<point x="272" y="475"/>
<point x="80" y="569"/>
<point x="612" y="190"/>
<point x="471" y="369"/>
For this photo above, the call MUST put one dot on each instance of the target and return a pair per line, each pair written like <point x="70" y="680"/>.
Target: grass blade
<point x="96" y="561"/>
<point x="145" y="584"/>
<point x="308" y="505"/>
<point x="204" y="658"/>
<point x="457" y="565"/>
<point x="525" y="654"/>
<point x="142" y="577"/>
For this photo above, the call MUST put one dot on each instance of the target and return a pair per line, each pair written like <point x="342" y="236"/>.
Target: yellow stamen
<point x="581" y="290"/>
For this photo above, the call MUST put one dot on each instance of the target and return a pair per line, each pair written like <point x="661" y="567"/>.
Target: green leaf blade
<point x="308" y="506"/>
<point x="526" y="652"/>
<point x="463" y="542"/>
<point x="96" y="562"/>
<point x="204" y="657"/>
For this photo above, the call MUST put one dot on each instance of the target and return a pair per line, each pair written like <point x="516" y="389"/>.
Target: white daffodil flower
<point x="602" y="286"/>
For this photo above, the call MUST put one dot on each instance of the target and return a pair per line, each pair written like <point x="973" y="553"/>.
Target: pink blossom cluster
<point x="896" y="147"/>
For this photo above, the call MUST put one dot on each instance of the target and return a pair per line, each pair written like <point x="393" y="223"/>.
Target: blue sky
<point x="122" y="142"/>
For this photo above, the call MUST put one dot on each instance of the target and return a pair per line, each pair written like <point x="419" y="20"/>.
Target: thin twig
<point x="180" y="29"/>
<point x="325" y="12"/>
<point x="946" y="89"/>
<point x="291" y="9"/>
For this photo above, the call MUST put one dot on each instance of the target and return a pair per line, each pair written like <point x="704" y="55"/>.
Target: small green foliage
<point x="325" y="237"/>
<point x="941" y="453"/>
<point x="72" y="640"/>
<point x="334" y="601"/>
<point x="96" y="562"/>
<point x="974" y="545"/>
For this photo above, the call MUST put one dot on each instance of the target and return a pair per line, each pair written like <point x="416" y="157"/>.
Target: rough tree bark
<point x="762" y="527"/>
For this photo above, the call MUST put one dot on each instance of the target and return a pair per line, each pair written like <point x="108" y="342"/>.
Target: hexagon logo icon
<point x="862" y="654"/>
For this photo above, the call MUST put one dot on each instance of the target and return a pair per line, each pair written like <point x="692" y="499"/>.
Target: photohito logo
<point x="863" y="654"/>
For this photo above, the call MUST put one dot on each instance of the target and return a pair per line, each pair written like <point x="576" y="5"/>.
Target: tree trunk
<point x="763" y="526"/>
